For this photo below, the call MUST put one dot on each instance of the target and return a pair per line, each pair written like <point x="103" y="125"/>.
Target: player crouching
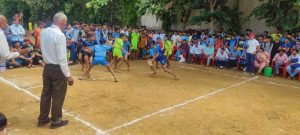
<point x="159" y="57"/>
<point x="99" y="58"/>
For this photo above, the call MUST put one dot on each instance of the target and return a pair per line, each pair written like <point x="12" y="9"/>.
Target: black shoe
<point x="43" y="123"/>
<point x="60" y="124"/>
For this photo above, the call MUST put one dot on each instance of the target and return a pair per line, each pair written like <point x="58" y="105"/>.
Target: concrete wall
<point x="246" y="6"/>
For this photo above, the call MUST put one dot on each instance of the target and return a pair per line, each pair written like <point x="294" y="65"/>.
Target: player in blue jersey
<point x="160" y="57"/>
<point x="99" y="52"/>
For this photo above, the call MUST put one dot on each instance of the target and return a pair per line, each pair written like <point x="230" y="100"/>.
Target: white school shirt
<point x="54" y="48"/>
<point x="252" y="45"/>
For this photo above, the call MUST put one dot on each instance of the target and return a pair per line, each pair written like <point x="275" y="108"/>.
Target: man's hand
<point x="70" y="81"/>
<point x="23" y="51"/>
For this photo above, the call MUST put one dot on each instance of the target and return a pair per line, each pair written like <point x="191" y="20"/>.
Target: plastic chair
<point x="283" y="68"/>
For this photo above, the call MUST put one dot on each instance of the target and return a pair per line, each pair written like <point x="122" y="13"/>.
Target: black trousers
<point x="53" y="94"/>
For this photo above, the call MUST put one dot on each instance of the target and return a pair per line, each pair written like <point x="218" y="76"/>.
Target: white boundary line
<point x="268" y="82"/>
<point x="177" y="106"/>
<point x="77" y="118"/>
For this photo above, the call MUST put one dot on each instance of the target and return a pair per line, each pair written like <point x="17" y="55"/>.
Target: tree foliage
<point x="121" y="12"/>
<point x="278" y="13"/>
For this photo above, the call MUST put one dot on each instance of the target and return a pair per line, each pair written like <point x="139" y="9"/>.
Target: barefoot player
<point x="159" y="57"/>
<point x="99" y="58"/>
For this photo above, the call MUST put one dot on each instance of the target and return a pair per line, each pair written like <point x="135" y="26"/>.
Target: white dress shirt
<point x="54" y="48"/>
<point x="5" y="53"/>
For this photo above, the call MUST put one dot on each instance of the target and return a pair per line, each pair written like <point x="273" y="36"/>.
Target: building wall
<point x="246" y="6"/>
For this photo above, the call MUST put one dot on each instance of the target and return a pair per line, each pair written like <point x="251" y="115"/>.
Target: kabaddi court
<point x="206" y="101"/>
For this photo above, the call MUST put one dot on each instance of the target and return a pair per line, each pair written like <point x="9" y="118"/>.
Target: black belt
<point x="54" y="66"/>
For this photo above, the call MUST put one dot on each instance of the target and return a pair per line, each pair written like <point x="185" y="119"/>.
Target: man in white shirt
<point x="56" y="73"/>
<point x="5" y="53"/>
<point x="253" y="46"/>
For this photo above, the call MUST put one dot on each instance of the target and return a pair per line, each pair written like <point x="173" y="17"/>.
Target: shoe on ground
<point x="60" y="124"/>
<point x="43" y="123"/>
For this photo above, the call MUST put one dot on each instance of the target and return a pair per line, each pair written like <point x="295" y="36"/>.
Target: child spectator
<point x="38" y="59"/>
<point x="280" y="59"/>
<point x="197" y="51"/>
<point x="3" y="124"/>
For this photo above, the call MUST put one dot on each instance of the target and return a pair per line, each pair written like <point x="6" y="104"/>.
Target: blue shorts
<point x="100" y="60"/>
<point x="161" y="60"/>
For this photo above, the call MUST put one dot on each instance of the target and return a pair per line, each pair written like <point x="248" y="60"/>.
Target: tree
<point x="216" y="12"/>
<point x="170" y="11"/>
<point x="278" y="13"/>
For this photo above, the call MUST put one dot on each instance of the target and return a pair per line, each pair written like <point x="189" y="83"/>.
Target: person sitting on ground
<point x="3" y="124"/>
<point x="235" y="54"/>
<point x="293" y="67"/>
<point x="221" y="59"/>
<point x="262" y="60"/>
<point x="38" y="59"/>
<point x="209" y="53"/>
<point x="280" y="59"/>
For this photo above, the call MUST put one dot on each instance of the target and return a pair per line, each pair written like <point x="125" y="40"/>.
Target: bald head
<point x="60" y="19"/>
<point x="3" y="21"/>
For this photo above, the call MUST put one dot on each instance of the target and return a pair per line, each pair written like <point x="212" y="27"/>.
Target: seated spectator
<point x="221" y="59"/>
<point x="22" y="60"/>
<point x="3" y="124"/>
<point x="262" y="60"/>
<point x="286" y="45"/>
<point x="225" y="48"/>
<point x="183" y="50"/>
<point x="209" y="53"/>
<point x="293" y="67"/>
<point x="279" y="59"/>
<point x="191" y="53"/>
<point x="197" y="51"/>
<point x="235" y="54"/>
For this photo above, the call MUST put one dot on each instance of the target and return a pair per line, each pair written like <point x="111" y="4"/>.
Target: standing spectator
<point x="242" y="63"/>
<point x="268" y="45"/>
<point x="74" y="33"/>
<point x="56" y="73"/>
<point x="262" y="60"/>
<point x="253" y="47"/>
<point x="280" y="59"/>
<point x="276" y="46"/>
<point x="37" y="33"/>
<point x="17" y="32"/>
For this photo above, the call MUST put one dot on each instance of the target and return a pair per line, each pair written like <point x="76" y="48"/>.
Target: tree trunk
<point x="212" y="4"/>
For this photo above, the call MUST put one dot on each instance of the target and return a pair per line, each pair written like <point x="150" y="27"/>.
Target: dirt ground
<point x="206" y="101"/>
